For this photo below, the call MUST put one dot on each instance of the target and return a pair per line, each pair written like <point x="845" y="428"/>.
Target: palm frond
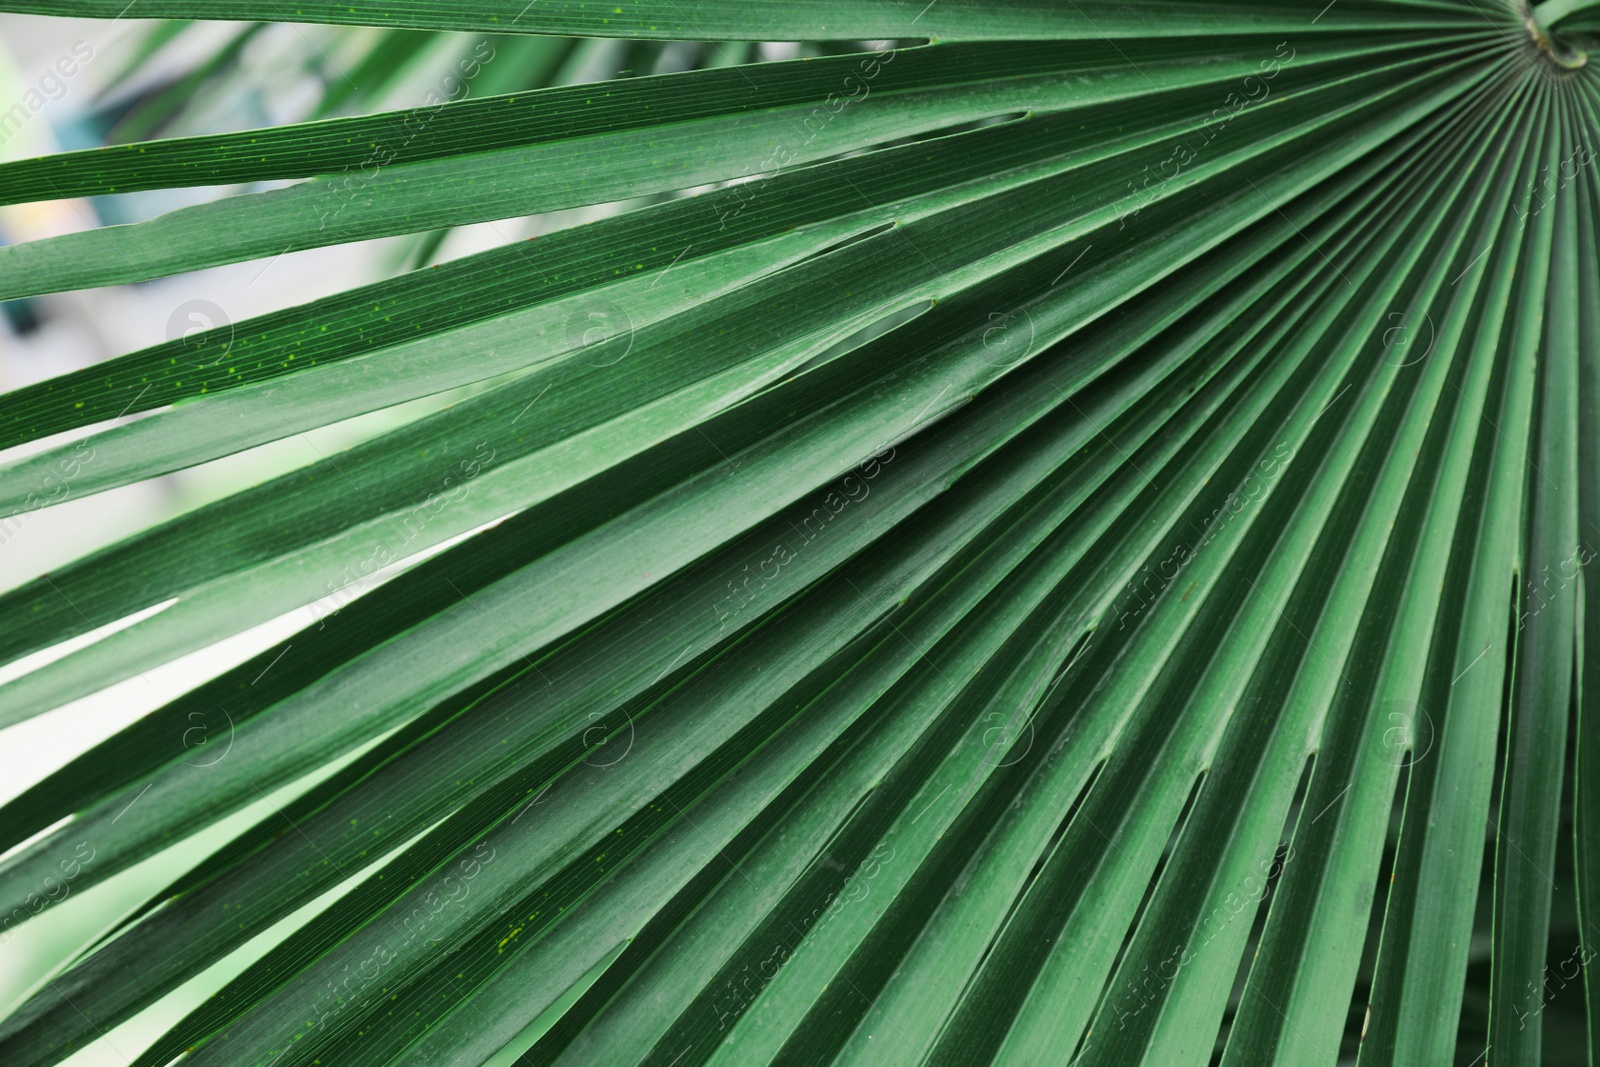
<point x="1061" y="537"/>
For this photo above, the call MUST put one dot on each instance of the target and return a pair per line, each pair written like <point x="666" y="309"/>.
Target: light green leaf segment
<point x="1058" y="536"/>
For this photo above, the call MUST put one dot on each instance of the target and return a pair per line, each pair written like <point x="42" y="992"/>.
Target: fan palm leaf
<point x="1058" y="538"/>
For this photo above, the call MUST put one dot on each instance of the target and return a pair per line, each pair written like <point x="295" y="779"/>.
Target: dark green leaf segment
<point x="790" y="20"/>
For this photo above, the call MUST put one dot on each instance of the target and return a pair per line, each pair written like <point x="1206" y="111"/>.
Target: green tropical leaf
<point x="1029" y="533"/>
